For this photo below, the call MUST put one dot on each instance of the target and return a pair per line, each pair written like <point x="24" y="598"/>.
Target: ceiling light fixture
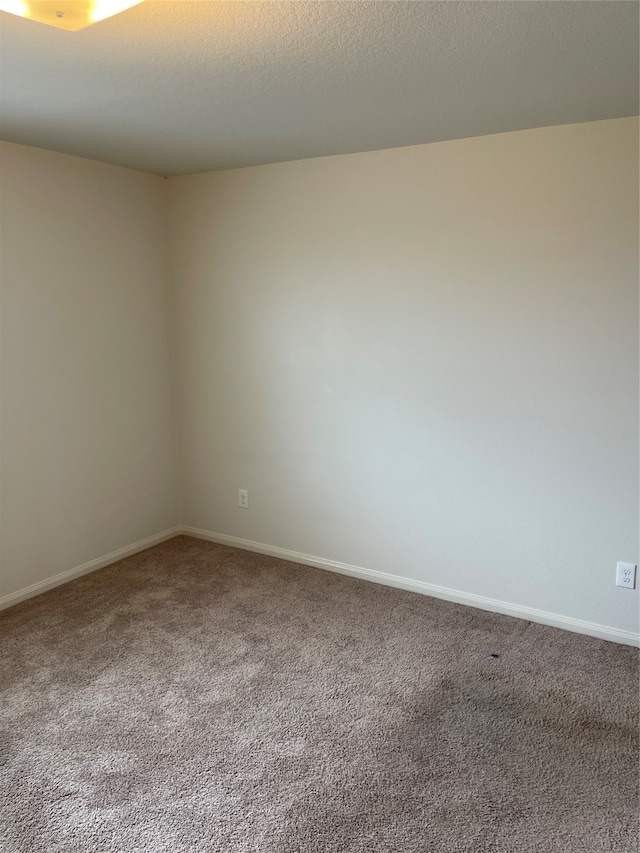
<point x="66" y="14"/>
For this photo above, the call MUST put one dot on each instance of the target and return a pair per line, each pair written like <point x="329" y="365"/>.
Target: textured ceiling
<point x="177" y="87"/>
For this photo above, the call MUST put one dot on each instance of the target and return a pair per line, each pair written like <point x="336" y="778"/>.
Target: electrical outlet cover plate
<point x="626" y="575"/>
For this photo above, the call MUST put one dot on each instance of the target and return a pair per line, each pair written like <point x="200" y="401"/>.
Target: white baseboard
<point x="85" y="568"/>
<point x="543" y="617"/>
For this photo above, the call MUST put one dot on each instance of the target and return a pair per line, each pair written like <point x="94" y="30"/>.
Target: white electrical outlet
<point x="243" y="498"/>
<point x="626" y="575"/>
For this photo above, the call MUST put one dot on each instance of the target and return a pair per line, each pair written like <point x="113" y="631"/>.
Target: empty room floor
<point x="195" y="697"/>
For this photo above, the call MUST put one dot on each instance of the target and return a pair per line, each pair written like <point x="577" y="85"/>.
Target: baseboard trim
<point x="85" y="568"/>
<point x="542" y="617"/>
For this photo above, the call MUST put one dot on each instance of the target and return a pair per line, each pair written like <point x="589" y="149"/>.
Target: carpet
<point x="195" y="698"/>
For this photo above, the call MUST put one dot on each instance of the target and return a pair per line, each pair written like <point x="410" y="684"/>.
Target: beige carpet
<point x="199" y="698"/>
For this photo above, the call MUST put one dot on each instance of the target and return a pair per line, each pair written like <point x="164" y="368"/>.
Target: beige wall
<point x="87" y="438"/>
<point x="422" y="361"/>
